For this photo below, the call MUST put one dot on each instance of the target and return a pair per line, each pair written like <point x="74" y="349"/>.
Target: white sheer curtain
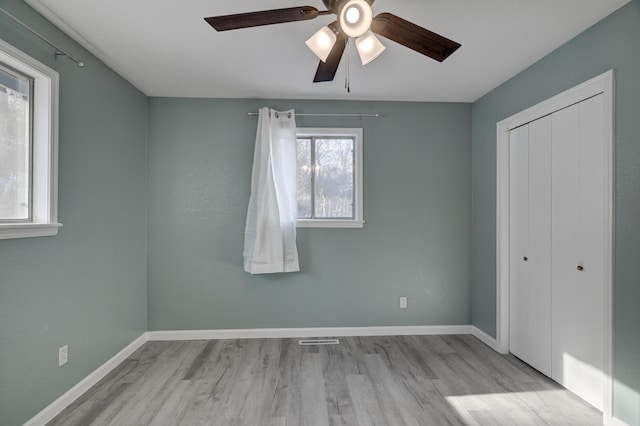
<point x="270" y="232"/>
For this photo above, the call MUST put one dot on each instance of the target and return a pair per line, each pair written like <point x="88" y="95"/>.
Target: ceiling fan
<point x="355" y="19"/>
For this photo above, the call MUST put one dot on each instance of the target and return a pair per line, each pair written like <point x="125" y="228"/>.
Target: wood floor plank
<point x="263" y="377"/>
<point x="387" y="381"/>
<point x="89" y="405"/>
<point x="200" y="360"/>
<point x="365" y="402"/>
<point x="155" y="389"/>
<point x="335" y="369"/>
<point x="396" y="401"/>
<point x="89" y="409"/>
<point x="196" y="411"/>
<point x="483" y="365"/>
<point x="231" y="394"/>
<point x="435" y="408"/>
<point x="211" y="378"/>
<point x="286" y="402"/>
<point x="173" y="410"/>
<point x="278" y="421"/>
<point x="313" y="396"/>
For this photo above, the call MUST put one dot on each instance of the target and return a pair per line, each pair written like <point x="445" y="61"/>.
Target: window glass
<point x="15" y="145"/>
<point x="304" y="178"/>
<point x="333" y="183"/>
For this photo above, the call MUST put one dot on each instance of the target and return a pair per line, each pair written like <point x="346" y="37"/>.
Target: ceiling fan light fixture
<point x="352" y="15"/>
<point x="369" y="47"/>
<point x="322" y="42"/>
<point x="355" y="17"/>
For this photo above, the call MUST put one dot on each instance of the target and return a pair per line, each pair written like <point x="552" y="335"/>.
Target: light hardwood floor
<point x="403" y="380"/>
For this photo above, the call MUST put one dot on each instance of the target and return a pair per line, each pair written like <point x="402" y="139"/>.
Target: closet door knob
<point x="580" y="268"/>
<point x="525" y="258"/>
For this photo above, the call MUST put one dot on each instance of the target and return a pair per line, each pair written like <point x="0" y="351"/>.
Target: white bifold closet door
<point x="557" y="235"/>
<point x="579" y="232"/>
<point x="530" y="234"/>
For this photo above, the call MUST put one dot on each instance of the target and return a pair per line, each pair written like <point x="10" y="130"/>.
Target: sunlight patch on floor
<point x="509" y="407"/>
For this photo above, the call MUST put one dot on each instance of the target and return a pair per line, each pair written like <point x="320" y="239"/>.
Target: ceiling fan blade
<point x="413" y="36"/>
<point x="266" y="17"/>
<point x="327" y="70"/>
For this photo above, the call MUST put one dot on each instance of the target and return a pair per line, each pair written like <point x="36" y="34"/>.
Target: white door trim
<point x="602" y="84"/>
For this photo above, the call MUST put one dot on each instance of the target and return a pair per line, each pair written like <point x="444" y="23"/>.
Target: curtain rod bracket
<point x="64" y="55"/>
<point x="58" y="51"/>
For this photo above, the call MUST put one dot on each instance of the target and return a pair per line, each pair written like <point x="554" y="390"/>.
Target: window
<point x="329" y="178"/>
<point x="28" y="146"/>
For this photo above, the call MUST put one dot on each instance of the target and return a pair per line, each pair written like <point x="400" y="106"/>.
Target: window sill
<point x="328" y="223"/>
<point x="28" y="230"/>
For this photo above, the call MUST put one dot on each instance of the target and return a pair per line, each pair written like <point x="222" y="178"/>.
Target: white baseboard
<point x="485" y="338"/>
<point x="280" y="333"/>
<point x="56" y="407"/>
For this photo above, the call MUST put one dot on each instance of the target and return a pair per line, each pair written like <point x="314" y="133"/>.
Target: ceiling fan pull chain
<point x="346" y="65"/>
<point x="347" y="71"/>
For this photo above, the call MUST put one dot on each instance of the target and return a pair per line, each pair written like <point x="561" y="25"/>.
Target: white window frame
<point x="358" y="216"/>
<point x="44" y="169"/>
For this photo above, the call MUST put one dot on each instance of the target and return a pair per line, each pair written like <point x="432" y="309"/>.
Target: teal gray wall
<point x="85" y="287"/>
<point x="612" y="43"/>
<point x="415" y="243"/>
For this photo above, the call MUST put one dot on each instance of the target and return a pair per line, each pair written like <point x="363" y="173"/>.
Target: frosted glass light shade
<point x="369" y="47"/>
<point x="355" y="18"/>
<point x="322" y="42"/>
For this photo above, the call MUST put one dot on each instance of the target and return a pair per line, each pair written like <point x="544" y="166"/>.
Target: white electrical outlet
<point x="63" y="355"/>
<point x="403" y="302"/>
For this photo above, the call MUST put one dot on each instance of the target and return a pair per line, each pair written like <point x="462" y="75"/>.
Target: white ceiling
<point x="165" y="48"/>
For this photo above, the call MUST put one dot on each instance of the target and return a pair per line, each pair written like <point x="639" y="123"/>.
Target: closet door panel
<point x="565" y="214"/>
<point x="587" y="378"/>
<point x="539" y="263"/>
<point x="530" y="322"/>
<point x="577" y="241"/>
<point x="520" y="312"/>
